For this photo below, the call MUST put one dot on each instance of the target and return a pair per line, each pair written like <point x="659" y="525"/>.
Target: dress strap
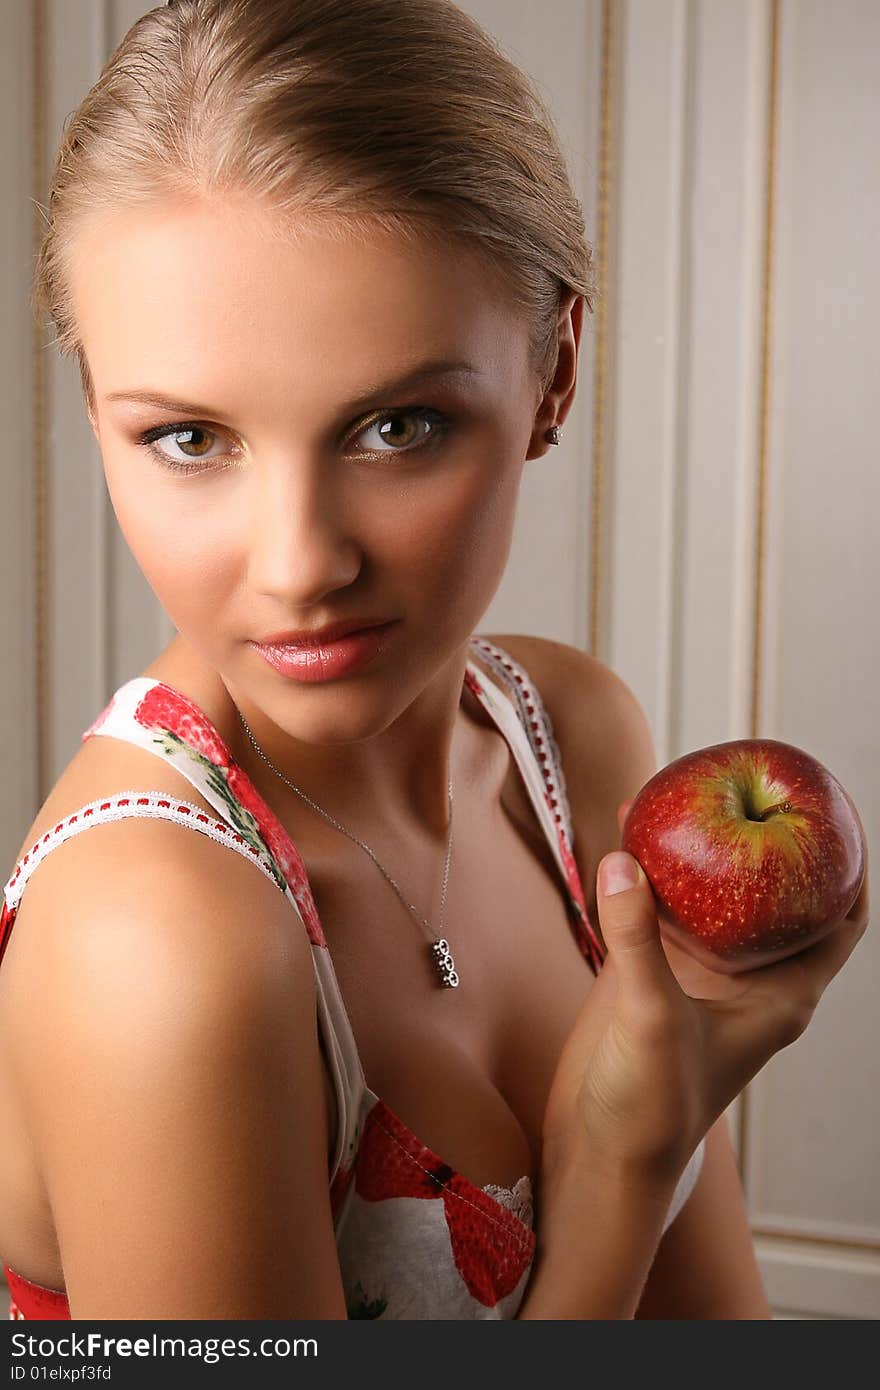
<point x="526" y="725"/>
<point x="162" y="720"/>
<point x="536" y="721"/>
<point x="155" y="805"/>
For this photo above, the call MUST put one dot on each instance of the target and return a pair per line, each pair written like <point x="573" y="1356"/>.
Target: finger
<point x="622" y="813"/>
<point x="630" y="927"/>
<point x="805" y="976"/>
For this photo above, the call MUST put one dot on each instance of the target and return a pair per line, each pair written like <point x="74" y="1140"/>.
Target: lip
<point x="318" y="637"/>
<point x="318" y="661"/>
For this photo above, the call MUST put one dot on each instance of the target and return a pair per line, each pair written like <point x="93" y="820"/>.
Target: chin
<point x="334" y="713"/>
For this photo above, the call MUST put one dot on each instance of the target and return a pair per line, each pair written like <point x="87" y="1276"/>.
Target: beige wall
<point x="707" y="526"/>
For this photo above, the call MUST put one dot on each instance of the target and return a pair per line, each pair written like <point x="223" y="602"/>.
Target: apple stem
<point x="780" y="806"/>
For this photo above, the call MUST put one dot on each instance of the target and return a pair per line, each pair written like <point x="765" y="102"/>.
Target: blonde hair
<point x="398" y="115"/>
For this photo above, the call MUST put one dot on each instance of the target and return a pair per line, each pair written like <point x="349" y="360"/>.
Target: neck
<point x="395" y="778"/>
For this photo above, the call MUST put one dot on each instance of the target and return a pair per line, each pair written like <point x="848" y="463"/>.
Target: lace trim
<point x="518" y="1199"/>
<point x="157" y="805"/>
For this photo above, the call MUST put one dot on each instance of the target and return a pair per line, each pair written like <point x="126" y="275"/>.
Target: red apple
<point x="754" y="851"/>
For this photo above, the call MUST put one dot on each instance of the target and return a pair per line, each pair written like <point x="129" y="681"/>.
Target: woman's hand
<point x="662" y="1045"/>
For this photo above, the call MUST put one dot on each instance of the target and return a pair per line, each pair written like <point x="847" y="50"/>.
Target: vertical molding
<point x="42" y="673"/>
<point x="714" y="328"/>
<point x="760" y="568"/>
<point x="104" y="523"/>
<point x="645" y="357"/>
<point x="598" y="569"/>
<point x="681" y="462"/>
<point x="18" y="214"/>
<point x="765" y="361"/>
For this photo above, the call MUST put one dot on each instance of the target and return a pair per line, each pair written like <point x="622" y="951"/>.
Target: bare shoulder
<point x="554" y="666"/>
<point x="605" y="741"/>
<point x="104" y="766"/>
<point x="591" y="707"/>
<point x="145" y="876"/>
<point x="182" y="999"/>
<point x="143" y="900"/>
<point x="127" y="897"/>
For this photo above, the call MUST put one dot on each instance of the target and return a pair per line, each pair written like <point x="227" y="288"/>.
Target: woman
<point x="324" y="274"/>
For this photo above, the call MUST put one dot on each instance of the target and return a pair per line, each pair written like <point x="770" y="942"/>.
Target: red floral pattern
<point x="491" y="1247"/>
<point x="281" y="847"/>
<point x="31" y="1301"/>
<point x="168" y="711"/>
<point x="7" y="918"/>
<point x="473" y="683"/>
<point x="165" y="708"/>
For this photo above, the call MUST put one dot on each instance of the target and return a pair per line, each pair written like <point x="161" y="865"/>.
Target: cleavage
<point x="465" y="1069"/>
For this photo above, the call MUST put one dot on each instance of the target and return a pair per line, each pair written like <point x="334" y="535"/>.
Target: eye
<point x="401" y="435"/>
<point x="185" y="436"/>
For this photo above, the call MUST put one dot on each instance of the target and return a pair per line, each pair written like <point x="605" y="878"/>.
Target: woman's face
<point x="293" y="479"/>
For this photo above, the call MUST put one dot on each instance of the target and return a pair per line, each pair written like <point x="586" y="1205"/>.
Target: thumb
<point x="630" y="927"/>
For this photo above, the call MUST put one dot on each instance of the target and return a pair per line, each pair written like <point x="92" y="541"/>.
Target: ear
<point x="559" y="395"/>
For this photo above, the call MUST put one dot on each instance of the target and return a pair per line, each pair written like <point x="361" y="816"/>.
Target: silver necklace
<point x="441" y="955"/>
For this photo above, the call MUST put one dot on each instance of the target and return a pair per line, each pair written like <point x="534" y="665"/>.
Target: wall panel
<point x="814" y="1153"/>
<point x="19" y="714"/>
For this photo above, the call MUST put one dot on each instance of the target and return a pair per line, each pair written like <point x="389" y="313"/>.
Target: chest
<point x="468" y="1070"/>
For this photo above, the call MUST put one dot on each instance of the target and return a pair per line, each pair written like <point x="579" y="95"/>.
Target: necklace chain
<point x="441" y="955"/>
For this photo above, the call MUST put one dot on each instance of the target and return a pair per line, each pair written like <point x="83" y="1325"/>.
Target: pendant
<point x="445" y="964"/>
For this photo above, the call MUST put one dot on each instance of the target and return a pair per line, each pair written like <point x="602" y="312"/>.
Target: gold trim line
<point x="600" y="359"/>
<point x="40" y="461"/>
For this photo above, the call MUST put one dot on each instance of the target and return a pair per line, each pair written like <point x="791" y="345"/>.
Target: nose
<point x="301" y="545"/>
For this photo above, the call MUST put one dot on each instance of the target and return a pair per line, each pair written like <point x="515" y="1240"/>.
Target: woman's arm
<point x="601" y="1276"/>
<point x="705" y="1265"/>
<point x="172" y="1076"/>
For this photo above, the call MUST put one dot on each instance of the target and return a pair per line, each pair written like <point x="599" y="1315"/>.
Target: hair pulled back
<point x="356" y="115"/>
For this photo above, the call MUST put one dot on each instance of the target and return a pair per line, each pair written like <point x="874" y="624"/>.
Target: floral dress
<point x="415" y="1238"/>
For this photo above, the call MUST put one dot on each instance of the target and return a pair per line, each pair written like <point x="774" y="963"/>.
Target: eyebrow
<point x="425" y="372"/>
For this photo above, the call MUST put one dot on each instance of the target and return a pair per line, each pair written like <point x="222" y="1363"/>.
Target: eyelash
<point x="150" y="438"/>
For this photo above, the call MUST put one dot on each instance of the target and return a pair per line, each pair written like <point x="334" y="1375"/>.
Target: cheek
<point x="463" y="529"/>
<point x="183" y="559"/>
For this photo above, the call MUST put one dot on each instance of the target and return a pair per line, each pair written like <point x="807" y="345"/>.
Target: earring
<point x="554" y="434"/>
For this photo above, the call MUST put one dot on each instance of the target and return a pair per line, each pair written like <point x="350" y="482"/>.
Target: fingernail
<point x="617" y="872"/>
